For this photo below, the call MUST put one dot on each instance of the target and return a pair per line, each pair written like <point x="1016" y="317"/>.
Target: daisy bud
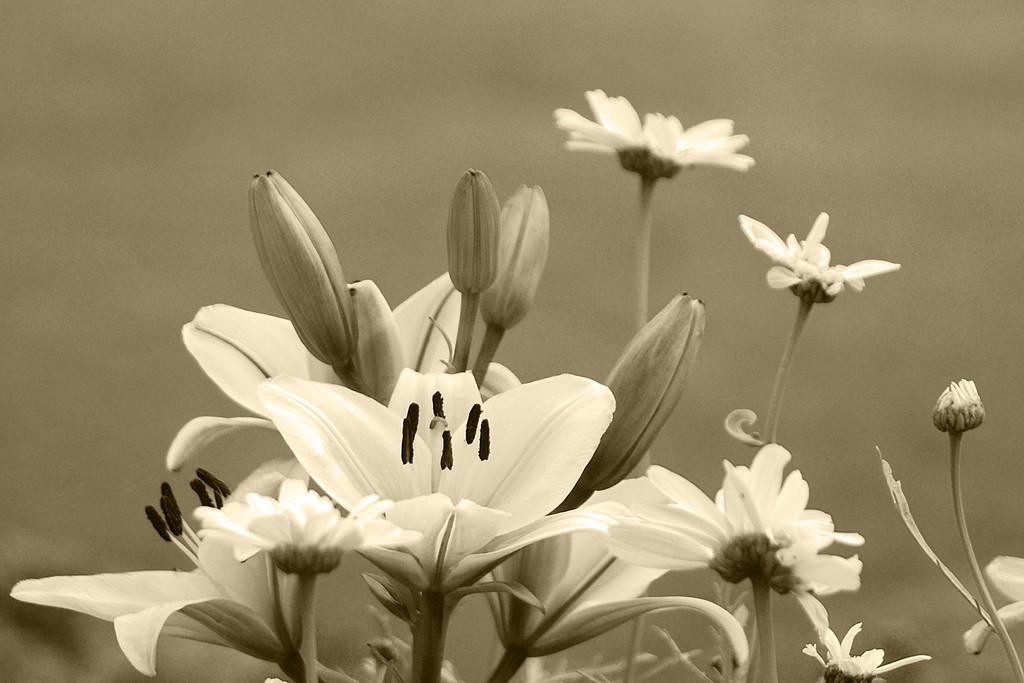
<point x="378" y="358"/>
<point x="473" y="221"/>
<point x="522" y="252"/>
<point x="959" y="408"/>
<point x="647" y="382"/>
<point x="303" y="268"/>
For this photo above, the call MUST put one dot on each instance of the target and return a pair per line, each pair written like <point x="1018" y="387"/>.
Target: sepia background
<point x="129" y="131"/>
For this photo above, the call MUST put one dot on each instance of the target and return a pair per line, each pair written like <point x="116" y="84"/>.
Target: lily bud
<point x="647" y="382"/>
<point x="959" y="408"/>
<point x="473" y="221"/>
<point x="522" y="253"/>
<point x="303" y="268"/>
<point x="378" y="359"/>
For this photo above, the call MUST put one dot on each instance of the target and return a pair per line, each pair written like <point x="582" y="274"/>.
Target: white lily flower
<point x="657" y="148"/>
<point x="757" y="526"/>
<point x="1006" y="574"/>
<point x="844" y="667"/>
<point x="476" y="479"/>
<point x="302" y="531"/>
<point x="585" y="590"/>
<point x="239" y="349"/>
<point x="804" y="265"/>
<point x="223" y="602"/>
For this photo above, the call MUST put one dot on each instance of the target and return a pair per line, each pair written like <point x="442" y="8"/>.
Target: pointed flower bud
<point x="473" y="221"/>
<point x="378" y="359"/>
<point x="522" y="253"/>
<point x="303" y="268"/>
<point x="959" y="408"/>
<point x="647" y="382"/>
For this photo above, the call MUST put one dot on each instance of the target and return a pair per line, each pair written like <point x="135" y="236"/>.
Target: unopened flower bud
<point x="647" y="382"/>
<point x="959" y="408"/>
<point x="522" y="253"/>
<point x="378" y="359"/>
<point x="303" y="268"/>
<point x="473" y="221"/>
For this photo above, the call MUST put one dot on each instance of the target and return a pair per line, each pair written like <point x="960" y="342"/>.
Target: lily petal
<point x="350" y="444"/>
<point x="238" y="349"/>
<point x="542" y="436"/>
<point x="1007" y="573"/>
<point x="423" y="345"/>
<point x="200" y="432"/>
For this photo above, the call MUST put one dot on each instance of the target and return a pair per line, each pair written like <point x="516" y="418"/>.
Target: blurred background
<point x="129" y="131"/>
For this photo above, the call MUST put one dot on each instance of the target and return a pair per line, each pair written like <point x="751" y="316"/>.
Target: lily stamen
<point x="485" y="440"/>
<point x="447" y="459"/>
<point x="472" y="422"/>
<point x="199" y="488"/>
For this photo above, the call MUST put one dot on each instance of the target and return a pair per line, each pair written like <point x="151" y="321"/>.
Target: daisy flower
<point x="803" y="266"/>
<point x="843" y="667"/>
<point x="301" y="530"/>
<point x="657" y="148"/>
<point x="758" y="527"/>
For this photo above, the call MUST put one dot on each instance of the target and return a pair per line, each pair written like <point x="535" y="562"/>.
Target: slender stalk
<point x="765" y="630"/>
<point x="979" y="578"/>
<point x="429" y="634"/>
<point x="635" y="643"/>
<point x="508" y="665"/>
<point x="488" y="347"/>
<point x="782" y="376"/>
<point x="643" y="250"/>
<point x="464" y="340"/>
<point x="306" y="604"/>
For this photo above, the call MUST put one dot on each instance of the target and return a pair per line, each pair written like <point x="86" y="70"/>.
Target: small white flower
<point x="804" y="265"/>
<point x="659" y="147"/>
<point x="301" y="530"/>
<point x="756" y="527"/>
<point x="843" y="667"/>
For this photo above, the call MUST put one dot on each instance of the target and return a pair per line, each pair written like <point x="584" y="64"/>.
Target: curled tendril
<point x="737" y="424"/>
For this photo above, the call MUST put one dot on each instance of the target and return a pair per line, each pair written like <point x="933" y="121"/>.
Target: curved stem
<point x="782" y="376"/>
<point x="979" y="578"/>
<point x="488" y="347"/>
<point x="765" y="630"/>
<point x="509" y="664"/>
<point x="643" y="251"/>
<point x="428" y="638"/>
<point x="464" y="339"/>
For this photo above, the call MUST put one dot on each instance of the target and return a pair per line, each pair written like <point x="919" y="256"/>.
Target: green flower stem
<point x="488" y="347"/>
<point x="979" y="578"/>
<point x="765" y="630"/>
<point x="782" y="377"/>
<point x="306" y="605"/>
<point x="428" y="638"/>
<point x="643" y="250"/>
<point x="464" y="340"/>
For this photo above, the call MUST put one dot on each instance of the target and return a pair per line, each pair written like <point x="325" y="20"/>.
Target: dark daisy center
<point x="752" y="556"/>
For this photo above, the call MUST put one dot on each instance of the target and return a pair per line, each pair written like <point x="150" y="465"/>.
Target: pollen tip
<point x="485" y="440"/>
<point x="437" y="402"/>
<point x="408" y="436"/>
<point x="200" y="490"/>
<point x="172" y="514"/>
<point x="213" y="482"/>
<point x="158" y="523"/>
<point x="471" y="423"/>
<point x="447" y="460"/>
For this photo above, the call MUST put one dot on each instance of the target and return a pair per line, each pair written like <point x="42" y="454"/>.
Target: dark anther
<point x="213" y="482"/>
<point x="218" y="500"/>
<point x="158" y="522"/>
<point x="438" y="404"/>
<point x="471" y="423"/>
<point x="485" y="440"/>
<point x="413" y="416"/>
<point x="446" y="450"/>
<point x="200" y="489"/>
<point x="408" y="435"/>
<point x="172" y="513"/>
